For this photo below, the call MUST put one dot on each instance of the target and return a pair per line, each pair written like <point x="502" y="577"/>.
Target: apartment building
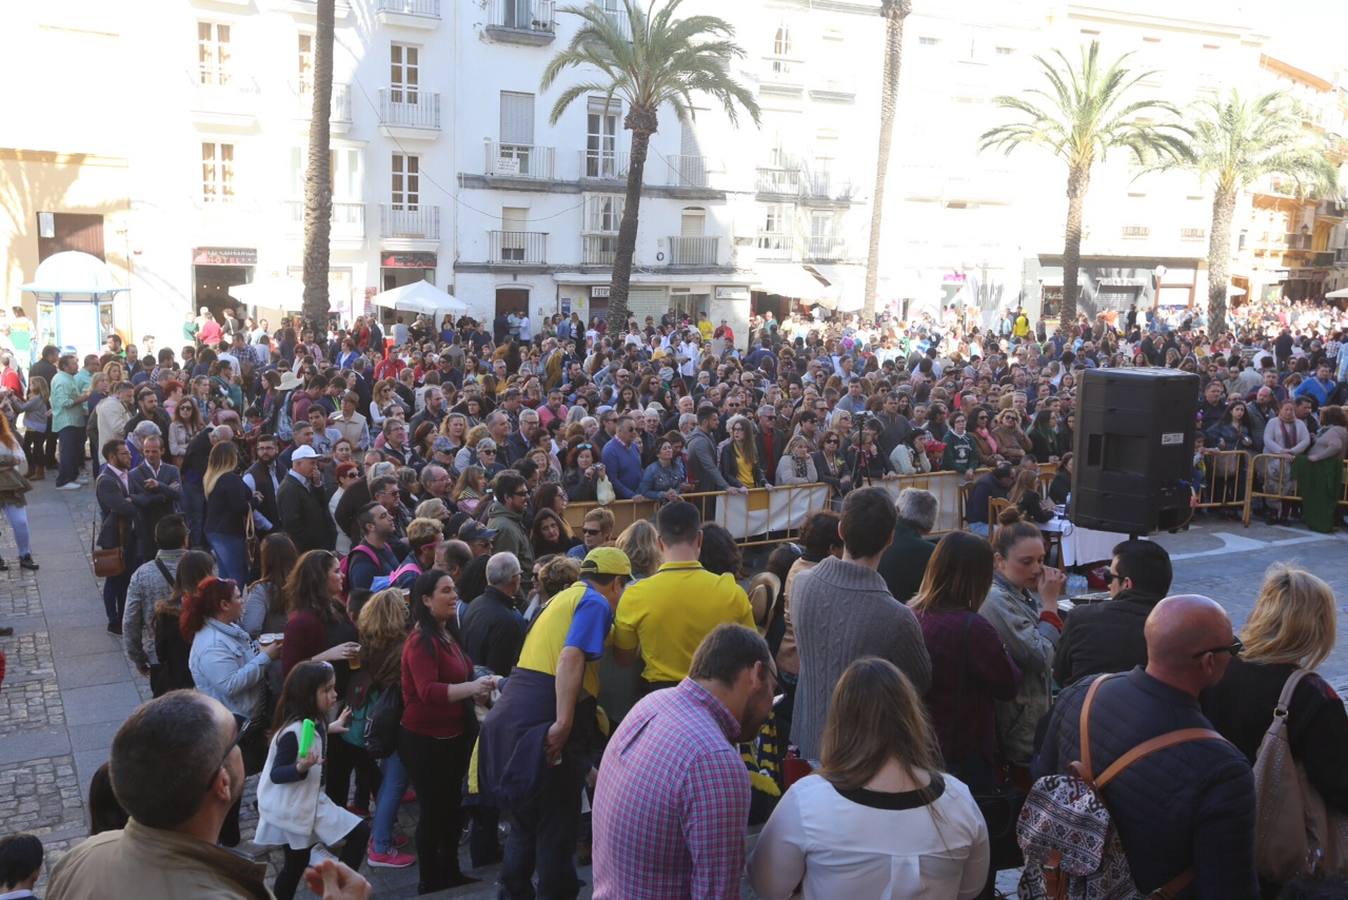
<point x="725" y="211"/>
<point x="988" y="228"/>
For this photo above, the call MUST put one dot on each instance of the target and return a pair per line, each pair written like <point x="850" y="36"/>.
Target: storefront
<point x="217" y="269"/>
<point x="1112" y="285"/>
<point x="399" y="268"/>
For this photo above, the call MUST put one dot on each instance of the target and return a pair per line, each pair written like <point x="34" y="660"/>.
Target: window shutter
<point x="517" y="118"/>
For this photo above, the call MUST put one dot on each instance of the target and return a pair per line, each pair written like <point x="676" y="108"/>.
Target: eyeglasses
<point x="1235" y="648"/>
<point x="486" y="452"/>
<point x="523" y="493"/>
<point x="240" y="726"/>
<point x="831" y="441"/>
<point x="592" y="532"/>
<point x="1111" y="575"/>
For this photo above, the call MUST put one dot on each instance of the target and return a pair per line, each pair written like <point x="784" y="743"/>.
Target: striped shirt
<point x="672" y="801"/>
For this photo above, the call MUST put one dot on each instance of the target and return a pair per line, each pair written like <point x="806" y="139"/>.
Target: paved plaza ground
<point x="69" y="686"/>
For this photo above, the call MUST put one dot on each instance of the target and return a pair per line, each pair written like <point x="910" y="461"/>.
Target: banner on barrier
<point x="765" y="510"/>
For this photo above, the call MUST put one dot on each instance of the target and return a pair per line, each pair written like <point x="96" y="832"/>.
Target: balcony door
<point x="213" y="53"/>
<point x="601" y="139"/>
<point x="515" y="156"/>
<point x="404" y="73"/>
<point x="406" y="182"/>
<point x="514" y="222"/>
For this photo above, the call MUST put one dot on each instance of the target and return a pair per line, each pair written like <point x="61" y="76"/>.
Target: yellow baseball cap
<point x="606" y="561"/>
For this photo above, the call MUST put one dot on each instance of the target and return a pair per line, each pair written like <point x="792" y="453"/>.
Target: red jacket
<point x="427" y="675"/>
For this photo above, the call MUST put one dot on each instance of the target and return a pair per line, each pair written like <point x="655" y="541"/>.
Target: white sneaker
<point x="70" y="486"/>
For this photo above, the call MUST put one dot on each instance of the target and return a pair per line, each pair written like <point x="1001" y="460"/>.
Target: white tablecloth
<point x="1083" y="545"/>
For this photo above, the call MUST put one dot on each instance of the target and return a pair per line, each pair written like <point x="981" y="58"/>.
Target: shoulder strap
<point x="163" y="570"/>
<point x="1146" y="748"/>
<point x="1084" y="762"/>
<point x="1288" y="688"/>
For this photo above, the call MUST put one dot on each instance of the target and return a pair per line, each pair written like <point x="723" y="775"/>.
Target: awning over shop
<point x="846" y="286"/>
<point x="283" y="292"/>
<point x="792" y="280"/>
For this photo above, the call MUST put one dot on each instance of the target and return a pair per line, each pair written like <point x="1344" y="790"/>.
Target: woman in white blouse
<point x="879" y="819"/>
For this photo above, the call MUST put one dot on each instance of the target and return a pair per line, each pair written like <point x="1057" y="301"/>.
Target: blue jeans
<point x="231" y="556"/>
<point x="391" y="791"/>
<point x="979" y="528"/>
<point x="71" y="441"/>
<point x="543" y="837"/>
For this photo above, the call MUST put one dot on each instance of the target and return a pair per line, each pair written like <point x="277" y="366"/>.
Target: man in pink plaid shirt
<point x="672" y="802"/>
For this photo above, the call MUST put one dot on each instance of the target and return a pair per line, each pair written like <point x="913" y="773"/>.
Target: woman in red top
<point x="436" y="739"/>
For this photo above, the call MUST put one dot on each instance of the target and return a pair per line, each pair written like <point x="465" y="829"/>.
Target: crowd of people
<point x="348" y="557"/>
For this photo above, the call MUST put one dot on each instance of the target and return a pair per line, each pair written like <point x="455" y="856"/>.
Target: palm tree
<point x="318" y="178"/>
<point x="894" y="13"/>
<point x="648" y="60"/>
<point x="1236" y="142"/>
<point x="1086" y="111"/>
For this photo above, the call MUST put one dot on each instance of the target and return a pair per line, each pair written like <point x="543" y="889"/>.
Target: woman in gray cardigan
<point x="1023" y="606"/>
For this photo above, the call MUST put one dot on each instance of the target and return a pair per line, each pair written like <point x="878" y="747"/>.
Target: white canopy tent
<point x="79" y="276"/>
<point x="422" y="297"/>
<point x="1340" y="294"/>
<point x="792" y="280"/>
<point x="283" y="292"/>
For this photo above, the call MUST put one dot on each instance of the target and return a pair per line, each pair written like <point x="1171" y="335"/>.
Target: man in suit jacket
<point x="117" y="515"/>
<point x="156" y="490"/>
<point x="303" y="511"/>
<point x="771" y="441"/>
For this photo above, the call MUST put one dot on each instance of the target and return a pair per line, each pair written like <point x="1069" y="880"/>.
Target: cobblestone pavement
<point x="69" y="686"/>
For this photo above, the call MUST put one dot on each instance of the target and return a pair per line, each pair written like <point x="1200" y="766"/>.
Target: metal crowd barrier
<point x="1270" y="478"/>
<point x="1227" y="482"/>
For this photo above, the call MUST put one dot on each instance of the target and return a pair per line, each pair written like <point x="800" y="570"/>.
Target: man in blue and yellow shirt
<point x="540" y="739"/>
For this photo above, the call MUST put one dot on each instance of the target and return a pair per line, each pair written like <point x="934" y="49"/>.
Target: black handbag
<point x="999" y="802"/>
<point x="381" y="723"/>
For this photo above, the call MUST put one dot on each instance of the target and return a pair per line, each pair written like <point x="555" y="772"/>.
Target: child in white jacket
<point x="293" y="810"/>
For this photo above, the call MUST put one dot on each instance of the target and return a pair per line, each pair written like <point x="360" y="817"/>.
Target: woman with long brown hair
<point x="879" y="819"/>
<point x="970" y="667"/>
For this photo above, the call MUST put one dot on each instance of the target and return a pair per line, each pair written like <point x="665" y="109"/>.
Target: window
<point x="406" y="193"/>
<point x="774" y="227"/>
<point x="305" y="74"/>
<point x="404" y="73"/>
<point x="601" y="140"/>
<point x="603" y="213"/>
<point x="217" y="172"/>
<point x="343" y="172"/>
<point x="781" y="41"/>
<point x="514" y="222"/>
<point x="213" y="56"/>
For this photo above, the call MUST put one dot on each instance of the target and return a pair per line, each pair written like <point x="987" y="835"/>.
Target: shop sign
<point x="224" y="256"/>
<point x="732" y="293"/>
<point x="599" y="292"/>
<point x="408" y="260"/>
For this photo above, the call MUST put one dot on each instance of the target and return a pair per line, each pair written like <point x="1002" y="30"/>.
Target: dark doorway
<point x="510" y="300"/>
<point x="212" y="283"/>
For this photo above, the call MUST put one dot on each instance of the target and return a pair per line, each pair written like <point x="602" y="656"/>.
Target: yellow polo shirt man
<point x="668" y="614"/>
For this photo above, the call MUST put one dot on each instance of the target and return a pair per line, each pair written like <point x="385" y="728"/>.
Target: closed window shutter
<point x="517" y="118"/>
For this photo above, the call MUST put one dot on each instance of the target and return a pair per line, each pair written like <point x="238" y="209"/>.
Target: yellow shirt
<point x="745" y="469"/>
<point x="705" y="327"/>
<point x="576" y="617"/>
<point x="670" y="613"/>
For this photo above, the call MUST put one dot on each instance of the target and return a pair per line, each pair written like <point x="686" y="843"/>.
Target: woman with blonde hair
<point x="641" y="543"/>
<point x="469" y="490"/>
<point x="228" y="508"/>
<point x="738" y="455"/>
<point x="796" y="465"/>
<point x="1025" y="496"/>
<point x="1291" y="630"/>
<point x="36" y="425"/>
<point x="879" y="819"/>
<point x="467" y="455"/>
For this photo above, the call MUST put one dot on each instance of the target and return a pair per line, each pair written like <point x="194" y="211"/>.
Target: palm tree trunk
<point x="1078" y="180"/>
<point x="318" y="179"/>
<point x="894" y="13"/>
<point x="1219" y="259"/>
<point x="642" y="124"/>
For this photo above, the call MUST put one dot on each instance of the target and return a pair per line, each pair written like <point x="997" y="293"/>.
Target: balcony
<point x="419" y="14"/>
<point x="520" y="161"/>
<point x="621" y="22"/>
<point x="827" y="84"/>
<point x="1193" y="234"/>
<point x="686" y="171"/>
<point x="779" y="180"/>
<point x="223" y="99"/>
<point x="1323" y="258"/>
<point x="339" y="120"/>
<point x="517" y="248"/>
<point x="826" y="249"/>
<point x="598" y="249"/>
<point x="530" y="22"/>
<point x="1341" y="256"/>
<point x="309" y="8"/>
<point x="1331" y="209"/>
<point x="609" y="165"/>
<point x="413" y="224"/>
<point x="1136" y="232"/>
<point x="693" y="251"/>
<point x="772" y="245"/>
<point x="782" y="74"/>
<point x="409" y="114"/>
<point x="1294" y="241"/>
<point x="348" y="220"/>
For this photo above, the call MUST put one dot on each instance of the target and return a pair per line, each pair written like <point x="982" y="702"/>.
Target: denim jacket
<point x="658" y="479"/>
<point x="226" y="665"/>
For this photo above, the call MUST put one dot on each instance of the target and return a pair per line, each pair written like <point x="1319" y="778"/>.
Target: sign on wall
<point x="224" y="256"/>
<point x="408" y="260"/>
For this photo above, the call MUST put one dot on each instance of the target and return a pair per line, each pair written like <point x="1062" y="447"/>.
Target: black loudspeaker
<point x="1134" y="449"/>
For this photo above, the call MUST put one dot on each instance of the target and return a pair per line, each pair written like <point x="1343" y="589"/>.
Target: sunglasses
<point x="591" y="531"/>
<point x="1235" y="648"/>
<point x="240" y="727"/>
<point x="486" y="453"/>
